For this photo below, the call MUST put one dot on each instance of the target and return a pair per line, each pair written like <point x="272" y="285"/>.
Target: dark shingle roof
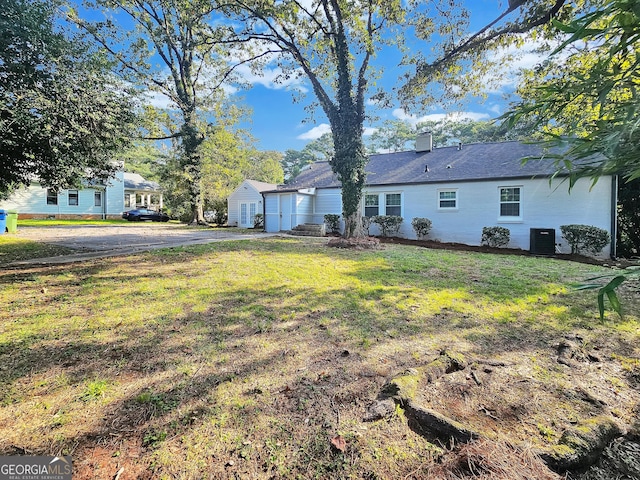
<point x="478" y="161"/>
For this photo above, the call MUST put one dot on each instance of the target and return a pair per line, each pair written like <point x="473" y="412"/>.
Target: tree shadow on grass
<point x="277" y="347"/>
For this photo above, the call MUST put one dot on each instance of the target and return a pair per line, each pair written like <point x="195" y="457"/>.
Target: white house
<point x="123" y="192"/>
<point x="461" y="189"/>
<point x="245" y="202"/>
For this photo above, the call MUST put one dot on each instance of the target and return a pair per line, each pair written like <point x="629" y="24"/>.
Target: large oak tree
<point x="171" y="49"/>
<point x="334" y="44"/>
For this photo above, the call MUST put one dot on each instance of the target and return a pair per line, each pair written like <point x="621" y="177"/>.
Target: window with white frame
<point x="97" y="199"/>
<point x="510" y="198"/>
<point x="52" y="196"/>
<point x="73" y="197"/>
<point x="243" y="214"/>
<point x="393" y="204"/>
<point x="371" y="205"/>
<point x="447" y="199"/>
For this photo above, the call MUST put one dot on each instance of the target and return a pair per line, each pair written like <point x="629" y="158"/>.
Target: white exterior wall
<point x="272" y="212"/>
<point x="33" y="200"/>
<point x="302" y="209"/>
<point x="245" y="193"/>
<point x="478" y="205"/>
<point x="115" y="195"/>
<point x="327" y="201"/>
<point x="285" y="210"/>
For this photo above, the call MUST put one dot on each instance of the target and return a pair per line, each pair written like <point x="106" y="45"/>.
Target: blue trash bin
<point x="3" y="221"/>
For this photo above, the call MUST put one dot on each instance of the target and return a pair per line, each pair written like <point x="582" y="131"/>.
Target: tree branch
<point x="478" y="39"/>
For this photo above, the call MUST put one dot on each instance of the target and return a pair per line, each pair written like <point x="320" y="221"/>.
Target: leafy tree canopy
<point x="63" y="116"/>
<point x="585" y="96"/>
<point x="318" y="150"/>
<point x="398" y="135"/>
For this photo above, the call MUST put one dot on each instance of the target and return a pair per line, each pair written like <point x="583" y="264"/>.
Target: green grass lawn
<point x="245" y="358"/>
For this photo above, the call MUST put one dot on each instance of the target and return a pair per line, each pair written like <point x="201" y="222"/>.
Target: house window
<point x="73" y="197"/>
<point x="393" y="202"/>
<point x="447" y="199"/>
<point x="252" y="213"/>
<point x="52" y="197"/>
<point x="371" y="205"/>
<point x="243" y="214"/>
<point x="127" y="200"/>
<point x="97" y="199"/>
<point x="510" y="202"/>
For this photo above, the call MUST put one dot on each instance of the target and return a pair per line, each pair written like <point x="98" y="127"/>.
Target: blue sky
<point x="279" y="123"/>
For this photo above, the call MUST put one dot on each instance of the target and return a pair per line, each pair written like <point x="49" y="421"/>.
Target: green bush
<point x="258" y="220"/>
<point x="389" y="224"/>
<point x="495" y="236"/>
<point x="585" y="238"/>
<point x="421" y="226"/>
<point x="333" y="222"/>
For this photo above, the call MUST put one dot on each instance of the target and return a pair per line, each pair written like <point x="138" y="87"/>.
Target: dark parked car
<point x="141" y="214"/>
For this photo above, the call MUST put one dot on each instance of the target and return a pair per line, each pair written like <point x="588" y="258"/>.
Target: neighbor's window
<point x="447" y="199"/>
<point x="393" y="204"/>
<point x="73" y="197"/>
<point x="52" y="197"/>
<point x="127" y="200"/>
<point x="97" y="199"/>
<point x="371" y="205"/>
<point x="510" y="201"/>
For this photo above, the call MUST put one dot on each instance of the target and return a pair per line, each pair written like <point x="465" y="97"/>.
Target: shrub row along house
<point x="124" y="192"/>
<point x="461" y="189"/>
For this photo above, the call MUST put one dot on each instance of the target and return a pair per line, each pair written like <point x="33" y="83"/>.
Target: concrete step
<point x="309" y="230"/>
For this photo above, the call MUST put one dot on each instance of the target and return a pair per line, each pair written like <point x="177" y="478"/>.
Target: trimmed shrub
<point x="585" y="238"/>
<point x="333" y="222"/>
<point x="495" y="236"/>
<point x="389" y="224"/>
<point x="258" y="220"/>
<point x="422" y="226"/>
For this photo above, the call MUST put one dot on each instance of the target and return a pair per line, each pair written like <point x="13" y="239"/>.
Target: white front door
<point x="285" y="212"/>
<point x="247" y="214"/>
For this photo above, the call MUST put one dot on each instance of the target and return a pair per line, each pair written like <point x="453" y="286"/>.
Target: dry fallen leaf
<point x="339" y="443"/>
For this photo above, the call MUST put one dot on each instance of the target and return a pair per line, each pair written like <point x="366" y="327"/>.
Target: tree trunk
<point x="349" y="165"/>
<point x="191" y="141"/>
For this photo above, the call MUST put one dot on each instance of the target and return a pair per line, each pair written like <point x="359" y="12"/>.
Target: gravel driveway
<point x="95" y="241"/>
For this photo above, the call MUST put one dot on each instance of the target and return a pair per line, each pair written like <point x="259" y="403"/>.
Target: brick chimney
<point x="424" y="142"/>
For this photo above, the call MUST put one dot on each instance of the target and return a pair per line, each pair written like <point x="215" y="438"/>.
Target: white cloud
<point x="401" y="114"/>
<point x="315" y="132"/>
<point x="495" y="108"/>
<point x="514" y="60"/>
<point x="318" y="131"/>
<point x="272" y="78"/>
<point x="159" y="100"/>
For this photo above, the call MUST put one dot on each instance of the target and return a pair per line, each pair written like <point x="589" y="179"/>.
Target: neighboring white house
<point x="139" y="192"/>
<point x="245" y="202"/>
<point x="123" y="192"/>
<point x="461" y="189"/>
